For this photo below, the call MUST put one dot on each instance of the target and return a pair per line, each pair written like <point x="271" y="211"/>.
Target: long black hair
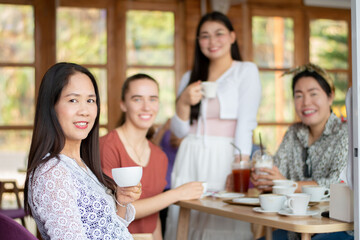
<point x="48" y="136"/>
<point x="200" y="69"/>
<point x="125" y="89"/>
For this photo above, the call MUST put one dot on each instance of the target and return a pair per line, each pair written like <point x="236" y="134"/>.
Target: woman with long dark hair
<point x="210" y="125"/>
<point x="65" y="189"/>
<point x="127" y="145"/>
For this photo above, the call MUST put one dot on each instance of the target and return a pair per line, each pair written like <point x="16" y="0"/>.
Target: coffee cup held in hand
<point x="209" y="89"/>
<point x="317" y="193"/>
<point x="204" y="184"/>
<point x="127" y="176"/>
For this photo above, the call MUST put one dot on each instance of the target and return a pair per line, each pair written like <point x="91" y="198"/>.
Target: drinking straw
<point x="261" y="146"/>
<point x="237" y="148"/>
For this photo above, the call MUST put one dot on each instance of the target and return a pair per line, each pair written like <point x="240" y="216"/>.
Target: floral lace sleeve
<point x="67" y="203"/>
<point x="54" y="201"/>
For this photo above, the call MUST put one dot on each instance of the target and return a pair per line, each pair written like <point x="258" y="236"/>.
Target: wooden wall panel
<point x="45" y="38"/>
<point x="192" y="17"/>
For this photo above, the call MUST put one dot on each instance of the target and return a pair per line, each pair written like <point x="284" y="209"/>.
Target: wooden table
<point x="305" y="225"/>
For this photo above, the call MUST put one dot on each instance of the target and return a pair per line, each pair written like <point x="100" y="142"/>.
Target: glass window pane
<point x="341" y="87"/>
<point x="101" y="80"/>
<point x="277" y="100"/>
<point x="103" y="131"/>
<point x="17" y="103"/>
<point x="150" y="38"/>
<point x="329" y="43"/>
<point x="166" y="81"/>
<point x="81" y="35"/>
<point x="271" y="137"/>
<point x="16" y="34"/>
<point x="14" y="148"/>
<point x="273" y="41"/>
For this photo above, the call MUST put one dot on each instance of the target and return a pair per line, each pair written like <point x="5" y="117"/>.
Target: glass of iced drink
<point x="261" y="159"/>
<point x="241" y="176"/>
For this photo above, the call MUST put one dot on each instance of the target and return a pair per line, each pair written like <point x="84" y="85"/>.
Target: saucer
<point x="322" y="200"/>
<point x="260" y="210"/>
<point x="228" y="195"/>
<point x="247" y="201"/>
<point x="287" y="212"/>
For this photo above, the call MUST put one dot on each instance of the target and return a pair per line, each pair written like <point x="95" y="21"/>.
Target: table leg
<point x="268" y="233"/>
<point x="183" y="224"/>
<point x="305" y="236"/>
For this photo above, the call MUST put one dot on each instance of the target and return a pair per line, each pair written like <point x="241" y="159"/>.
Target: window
<point x="82" y="38"/>
<point x="279" y="43"/>
<point x="17" y="83"/>
<point x="150" y="49"/>
<point x="273" y="51"/>
<point x="329" y="49"/>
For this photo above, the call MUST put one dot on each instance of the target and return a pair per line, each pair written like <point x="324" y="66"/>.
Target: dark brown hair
<point x="48" y="136"/>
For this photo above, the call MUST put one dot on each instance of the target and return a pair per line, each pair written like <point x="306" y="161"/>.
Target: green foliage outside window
<point x="16" y="34"/>
<point x="81" y="35"/>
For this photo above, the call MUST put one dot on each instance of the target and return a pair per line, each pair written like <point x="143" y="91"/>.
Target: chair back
<point x="11" y="230"/>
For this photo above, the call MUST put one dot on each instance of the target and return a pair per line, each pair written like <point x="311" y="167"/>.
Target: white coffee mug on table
<point x="285" y="182"/>
<point x="271" y="202"/>
<point x="317" y="193"/>
<point x="298" y="203"/>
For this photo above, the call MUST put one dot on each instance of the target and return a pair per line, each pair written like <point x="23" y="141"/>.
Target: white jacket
<point x="239" y="94"/>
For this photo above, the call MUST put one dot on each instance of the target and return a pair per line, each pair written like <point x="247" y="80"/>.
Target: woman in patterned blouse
<point x="314" y="151"/>
<point x="65" y="190"/>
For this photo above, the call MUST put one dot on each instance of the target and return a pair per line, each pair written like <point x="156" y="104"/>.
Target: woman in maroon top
<point x="127" y="145"/>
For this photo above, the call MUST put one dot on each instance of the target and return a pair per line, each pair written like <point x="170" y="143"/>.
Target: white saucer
<point x="287" y="212"/>
<point x="228" y="195"/>
<point x="322" y="200"/>
<point x="260" y="210"/>
<point x="249" y="201"/>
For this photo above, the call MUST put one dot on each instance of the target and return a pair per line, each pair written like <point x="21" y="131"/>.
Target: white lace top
<point x="67" y="203"/>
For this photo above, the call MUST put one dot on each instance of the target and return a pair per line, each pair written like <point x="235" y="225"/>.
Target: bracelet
<point x="117" y="202"/>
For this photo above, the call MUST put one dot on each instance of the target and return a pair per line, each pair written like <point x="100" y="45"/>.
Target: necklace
<point x="132" y="148"/>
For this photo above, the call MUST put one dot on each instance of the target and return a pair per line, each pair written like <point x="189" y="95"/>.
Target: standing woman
<point x="128" y="145"/>
<point x="210" y="125"/>
<point x="65" y="189"/>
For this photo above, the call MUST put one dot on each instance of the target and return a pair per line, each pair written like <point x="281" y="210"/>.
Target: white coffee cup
<point x="271" y="202"/>
<point x="317" y="192"/>
<point x="204" y="184"/>
<point x="298" y="202"/>
<point x="285" y="182"/>
<point x="285" y="190"/>
<point x="127" y="176"/>
<point x="209" y="89"/>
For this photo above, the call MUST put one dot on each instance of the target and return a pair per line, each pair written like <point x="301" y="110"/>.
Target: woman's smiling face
<point x="312" y="104"/>
<point x="76" y="107"/>
<point x="141" y="103"/>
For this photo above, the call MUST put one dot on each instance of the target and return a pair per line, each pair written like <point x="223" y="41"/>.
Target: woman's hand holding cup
<point x="191" y="190"/>
<point x="265" y="181"/>
<point x="126" y="195"/>
<point x="192" y="94"/>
